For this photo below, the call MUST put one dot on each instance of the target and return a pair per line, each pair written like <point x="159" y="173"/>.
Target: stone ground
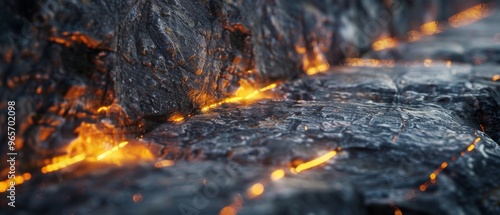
<point x="395" y="126"/>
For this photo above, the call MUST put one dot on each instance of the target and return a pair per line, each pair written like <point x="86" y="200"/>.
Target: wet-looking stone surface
<point x="416" y="136"/>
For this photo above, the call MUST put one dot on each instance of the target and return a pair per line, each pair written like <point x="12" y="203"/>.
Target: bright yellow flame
<point x="470" y="15"/>
<point x="246" y="92"/>
<point x="277" y="175"/>
<point x="164" y="163"/>
<point x="255" y="190"/>
<point x="315" y="162"/>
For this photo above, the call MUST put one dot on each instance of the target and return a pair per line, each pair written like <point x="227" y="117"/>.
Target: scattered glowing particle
<point x="315" y="162"/>
<point x="433" y="176"/>
<point x="427" y="62"/>
<point x="137" y="198"/>
<point x="470" y="148"/>
<point x="444" y="165"/>
<point x="255" y="190"/>
<point x="101" y="109"/>
<point x="422" y="187"/>
<point x="448" y="64"/>
<point x="305" y="128"/>
<point x="477" y="140"/>
<point x="495" y="78"/>
<point x="228" y="210"/>
<point x="164" y="163"/>
<point x="277" y="175"/>
<point x="397" y="211"/>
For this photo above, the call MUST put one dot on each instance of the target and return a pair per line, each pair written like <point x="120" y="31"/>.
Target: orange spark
<point x="277" y="175"/>
<point x="255" y="190"/>
<point x="495" y="78"/>
<point x="102" y="109"/>
<point x="470" y="148"/>
<point x="137" y="198"/>
<point x="433" y="176"/>
<point x="397" y="211"/>
<point x="427" y="62"/>
<point x="315" y="162"/>
<point x="234" y="207"/>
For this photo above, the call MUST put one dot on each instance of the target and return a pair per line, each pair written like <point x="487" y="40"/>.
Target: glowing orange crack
<point x="244" y="93"/>
<point x="433" y="176"/>
<point x="315" y="162"/>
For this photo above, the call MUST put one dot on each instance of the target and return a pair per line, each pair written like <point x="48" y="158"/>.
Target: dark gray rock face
<point x="395" y="125"/>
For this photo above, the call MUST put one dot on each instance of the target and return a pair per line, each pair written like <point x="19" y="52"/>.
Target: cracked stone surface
<point x="395" y="126"/>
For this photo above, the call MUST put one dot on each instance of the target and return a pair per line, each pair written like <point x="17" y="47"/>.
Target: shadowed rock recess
<point x="412" y="138"/>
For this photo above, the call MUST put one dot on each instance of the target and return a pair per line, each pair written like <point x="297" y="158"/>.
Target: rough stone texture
<point x="395" y="125"/>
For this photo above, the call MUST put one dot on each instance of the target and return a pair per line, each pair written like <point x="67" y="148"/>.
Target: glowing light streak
<point x="313" y="163"/>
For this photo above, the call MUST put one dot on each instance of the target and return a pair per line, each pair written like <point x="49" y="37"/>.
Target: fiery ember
<point x="95" y="144"/>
